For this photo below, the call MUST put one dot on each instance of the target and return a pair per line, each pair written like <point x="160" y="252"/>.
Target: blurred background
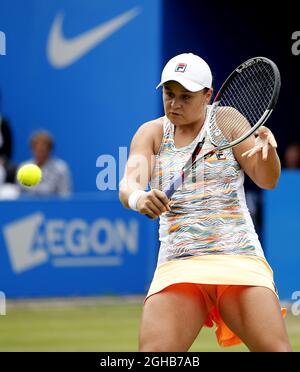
<point x="77" y="78"/>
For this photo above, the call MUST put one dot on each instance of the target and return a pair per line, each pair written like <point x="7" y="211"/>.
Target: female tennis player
<point x="211" y="267"/>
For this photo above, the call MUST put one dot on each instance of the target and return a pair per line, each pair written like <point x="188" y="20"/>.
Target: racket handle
<point x="169" y="193"/>
<point x="174" y="186"/>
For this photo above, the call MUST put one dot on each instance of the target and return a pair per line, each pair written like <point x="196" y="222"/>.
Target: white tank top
<point x="209" y="213"/>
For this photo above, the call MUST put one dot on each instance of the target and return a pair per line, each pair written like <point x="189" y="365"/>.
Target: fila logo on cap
<point x="180" y="67"/>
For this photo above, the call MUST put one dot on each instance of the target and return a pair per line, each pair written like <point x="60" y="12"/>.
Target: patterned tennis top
<point x="208" y="214"/>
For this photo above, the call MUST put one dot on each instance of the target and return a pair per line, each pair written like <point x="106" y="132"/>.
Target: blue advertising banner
<point x="281" y="231"/>
<point x="75" y="247"/>
<point x="84" y="70"/>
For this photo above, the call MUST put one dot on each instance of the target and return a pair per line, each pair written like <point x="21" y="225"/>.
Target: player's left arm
<point x="258" y="157"/>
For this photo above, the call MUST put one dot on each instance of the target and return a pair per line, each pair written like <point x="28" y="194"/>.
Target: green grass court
<point x="95" y="326"/>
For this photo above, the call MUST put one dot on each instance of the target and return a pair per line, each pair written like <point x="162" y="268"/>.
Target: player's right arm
<point x="144" y="146"/>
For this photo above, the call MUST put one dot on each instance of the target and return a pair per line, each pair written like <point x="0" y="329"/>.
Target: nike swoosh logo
<point x="63" y="52"/>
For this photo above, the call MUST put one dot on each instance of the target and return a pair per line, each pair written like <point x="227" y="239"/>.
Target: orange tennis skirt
<point x="214" y="274"/>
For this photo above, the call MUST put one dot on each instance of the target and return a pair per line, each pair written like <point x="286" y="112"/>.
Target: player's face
<point x="183" y="107"/>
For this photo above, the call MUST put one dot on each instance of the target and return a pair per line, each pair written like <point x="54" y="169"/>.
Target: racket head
<point x="244" y="102"/>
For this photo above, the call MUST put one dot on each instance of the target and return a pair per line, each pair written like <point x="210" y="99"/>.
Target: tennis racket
<point x="244" y="103"/>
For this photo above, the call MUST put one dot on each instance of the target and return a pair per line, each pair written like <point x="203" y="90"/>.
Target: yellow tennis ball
<point x="29" y="175"/>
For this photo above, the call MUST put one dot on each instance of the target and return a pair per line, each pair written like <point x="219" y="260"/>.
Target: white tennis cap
<point x="188" y="70"/>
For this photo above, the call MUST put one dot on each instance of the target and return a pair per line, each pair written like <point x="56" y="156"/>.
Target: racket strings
<point x="242" y="103"/>
<point x="249" y="96"/>
<point x="260" y="90"/>
<point x="258" y="93"/>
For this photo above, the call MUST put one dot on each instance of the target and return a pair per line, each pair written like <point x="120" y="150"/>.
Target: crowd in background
<point x="56" y="179"/>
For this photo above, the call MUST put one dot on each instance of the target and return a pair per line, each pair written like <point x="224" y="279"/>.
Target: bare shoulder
<point x="153" y="127"/>
<point x="232" y="123"/>
<point x="228" y="112"/>
<point x="151" y="131"/>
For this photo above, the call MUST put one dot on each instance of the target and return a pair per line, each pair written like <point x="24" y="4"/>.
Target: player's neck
<point x="184" y="135"/>
<point x="191" y="129"/>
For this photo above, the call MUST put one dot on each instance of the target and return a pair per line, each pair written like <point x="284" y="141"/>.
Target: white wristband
<point x="134" y="197"/>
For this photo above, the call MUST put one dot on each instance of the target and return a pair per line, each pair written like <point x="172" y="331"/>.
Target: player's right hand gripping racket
<point x="242" y="105"/>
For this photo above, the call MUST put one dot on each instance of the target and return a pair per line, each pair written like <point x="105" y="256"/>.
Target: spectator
<point x="56" y="179"/>
<point x="292" y="156"/>
<point x="5" y="138"/>
<point x="6" y="142"/>
<point x="8" y="189"/>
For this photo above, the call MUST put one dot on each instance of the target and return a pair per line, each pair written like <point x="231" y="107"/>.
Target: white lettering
<point x="296" y="44"/>
<point x="2" y="44"/>
<point x="106" y="178"/>
<point x="104" y="228"/>
<point x="55" y="237"/>
<point x="126" y="236"/>
<point x="76" y="237"/>
<point x="2" y="303"/>
<point x="295" y="309"/>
